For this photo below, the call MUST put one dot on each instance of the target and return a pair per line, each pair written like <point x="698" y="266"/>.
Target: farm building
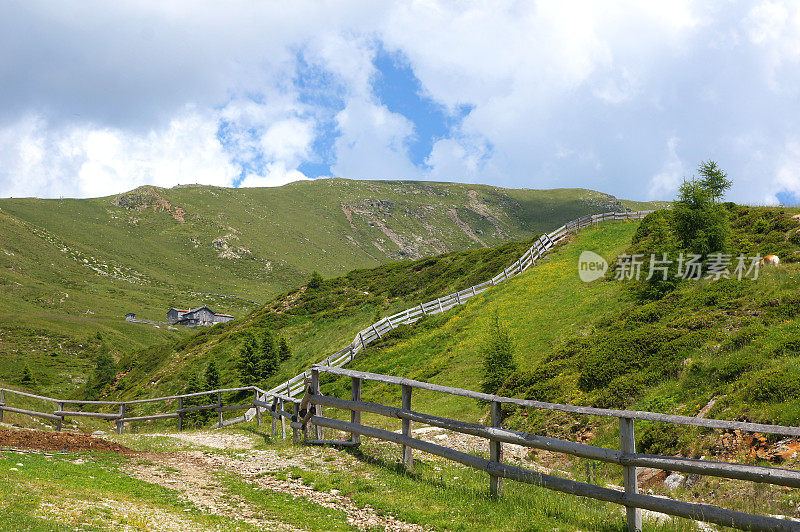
<point x="194" y="317"/>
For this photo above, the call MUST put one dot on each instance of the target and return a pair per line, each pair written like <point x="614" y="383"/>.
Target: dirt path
<point x="194" y="474"/>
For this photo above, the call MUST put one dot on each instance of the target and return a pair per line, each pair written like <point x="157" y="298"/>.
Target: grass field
<point x="70" y="269"/>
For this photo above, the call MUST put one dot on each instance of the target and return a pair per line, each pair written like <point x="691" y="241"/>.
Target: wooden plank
<point x="335" y="443"/>
<point x="154" y="416"/>
<point x="699" y="512"/>
<point x="33" y="413"/>
<point x="316" y="408"/>
<point x="355" y="415"/>
<point x="496" y="451"/>
<point x="32" y="396"/>
<point x="592" y="411"/>
<point x="770" y="475"/>
<point x="99" y="415"/>
<point x="219" y="414"/>
<point x="231" y="408"/>
<point x="407" y="458"/>
<point x="210" y="406"/>
<point x="121" y="421"/>
<point x="628" y="445"/>
<point x="174" y="397"/>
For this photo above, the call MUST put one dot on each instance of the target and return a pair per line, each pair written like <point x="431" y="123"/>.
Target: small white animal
<point x="770" y="260"/>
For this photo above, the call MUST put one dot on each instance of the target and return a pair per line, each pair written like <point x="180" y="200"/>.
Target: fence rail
<point x="123" y="415"/>
<point x="311" y="413"/>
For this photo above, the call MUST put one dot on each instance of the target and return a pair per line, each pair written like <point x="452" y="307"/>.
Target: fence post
<point x="283" y="420"/>
<point x="355" y="415"/>
<point x="60" y="421"/>
<point x="408" y="459"/>
<point x="180" y="414"/>
<point x="2" y="403"/>
<point x="121" y="421"/>
<point x="274" y="419"/>
<point x="258" y="408"/>
<point x="496" y="450"/>
<point x="628" y="445"/>
<point x="317" y="408"/>
<point x="219" y="405"/>
<point x="295" y="417"/>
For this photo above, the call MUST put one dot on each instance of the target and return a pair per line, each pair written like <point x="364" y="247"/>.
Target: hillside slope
<point x="72" y="268"/>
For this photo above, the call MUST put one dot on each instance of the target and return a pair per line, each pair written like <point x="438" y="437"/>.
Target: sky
<point x="625" y="97"/>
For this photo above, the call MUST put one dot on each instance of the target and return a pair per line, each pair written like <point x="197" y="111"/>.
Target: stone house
<point x="196" y="317"/>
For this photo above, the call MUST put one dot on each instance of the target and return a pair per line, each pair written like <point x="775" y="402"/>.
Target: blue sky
<point x="624" y="97"/>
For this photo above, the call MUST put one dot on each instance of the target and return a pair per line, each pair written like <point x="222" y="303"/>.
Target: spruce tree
<point x="284" y="352"/>
<point x="315" y="281"/>
<point x="105" y="371"/>
<point x="27" y="376"/>
<point x="196" y="418"/>
<point x="268" y="359"/>
<point x="212" y="376"/>
<point x="498" y="357"/>
<point x="713" y="179"/>
<point x="248" y="362"/>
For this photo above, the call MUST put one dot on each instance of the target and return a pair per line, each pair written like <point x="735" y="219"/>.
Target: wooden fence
<point x="311" y="413"/>
<point x="123" y="413"/>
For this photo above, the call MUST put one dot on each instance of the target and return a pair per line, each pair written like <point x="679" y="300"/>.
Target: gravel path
<point x="193" y="473"/>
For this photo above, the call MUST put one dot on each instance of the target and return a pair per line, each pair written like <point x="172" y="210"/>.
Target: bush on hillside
<point x="776" y="385"/>
<point x="103" y="375"/>
<point x="315" y="281"/>
<point x="247" y="363"/>
<point x="498" y="357"/>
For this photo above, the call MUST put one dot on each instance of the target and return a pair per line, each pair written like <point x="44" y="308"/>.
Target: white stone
<point x="674" y="481"/>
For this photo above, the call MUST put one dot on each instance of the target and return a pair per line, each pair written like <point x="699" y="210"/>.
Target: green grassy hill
<point x="70" y="269"/>
<point x="595" y="344"/>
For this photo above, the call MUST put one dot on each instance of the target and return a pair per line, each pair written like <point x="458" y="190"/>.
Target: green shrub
<point x="734" y="366"/>
<point x="498" y="357"/>
<point x="660" y="438"/>
<point x="772" y="386"/>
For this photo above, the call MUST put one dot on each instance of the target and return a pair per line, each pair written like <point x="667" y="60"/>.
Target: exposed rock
<point x="674" y="481"/>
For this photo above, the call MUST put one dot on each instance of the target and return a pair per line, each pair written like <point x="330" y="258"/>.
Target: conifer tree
<point x="498" y="357"/>
<point x="268" y="356"/>
<point x="105" y="371"/>
<point x="196" y="418"/>
<point x="27" y="376"/>
<point x="284" y="352"/>
<point x="212" y="376"/>
<point x="315" y="281"/>
<point x="248" y="362"/>
<point x="713" y="179"/>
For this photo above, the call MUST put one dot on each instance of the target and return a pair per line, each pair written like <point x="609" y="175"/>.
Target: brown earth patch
<point x="57" y="441"/>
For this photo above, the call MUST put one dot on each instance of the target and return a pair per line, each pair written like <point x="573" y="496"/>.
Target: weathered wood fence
<point x="311" y="413"/>
<point x="123" y="409"/>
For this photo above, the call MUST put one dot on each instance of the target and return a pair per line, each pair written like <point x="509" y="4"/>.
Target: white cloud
<point x="775" y="27"/>
<point x="665" y="183"/>
<point x="99" y="97"/>
<point x="787" y="173"/>
<point x="372" y="143"/>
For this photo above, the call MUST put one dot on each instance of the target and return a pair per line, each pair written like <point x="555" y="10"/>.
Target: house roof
<point x="224" y="315"/>
<point x="180" y="309"/>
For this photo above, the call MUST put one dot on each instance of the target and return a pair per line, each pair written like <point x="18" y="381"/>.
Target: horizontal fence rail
<point x="123" y="413"/>
<point x="310" y="414"/>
